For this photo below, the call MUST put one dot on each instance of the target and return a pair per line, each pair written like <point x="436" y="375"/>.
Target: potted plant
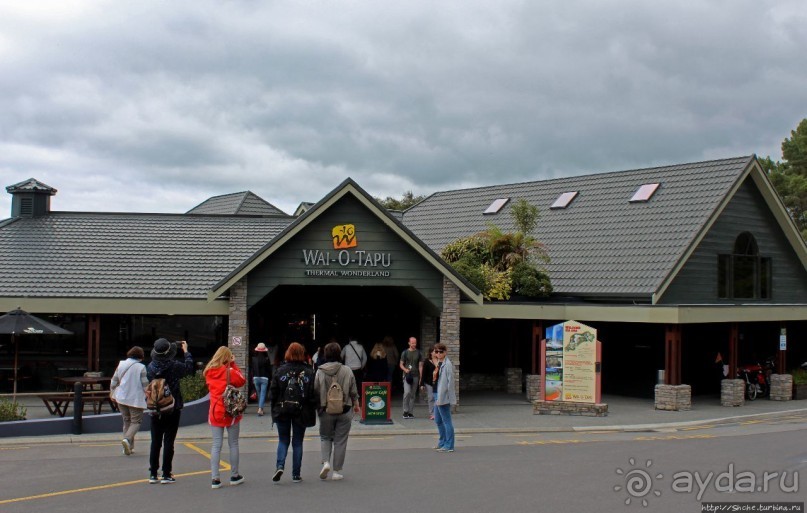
<point x="799" y="383"/>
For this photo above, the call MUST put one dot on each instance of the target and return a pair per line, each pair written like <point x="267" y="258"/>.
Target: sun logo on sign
<point x="344" y="236"/>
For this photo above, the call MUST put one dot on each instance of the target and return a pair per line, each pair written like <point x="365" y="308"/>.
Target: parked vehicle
<point x="757" y="378"/>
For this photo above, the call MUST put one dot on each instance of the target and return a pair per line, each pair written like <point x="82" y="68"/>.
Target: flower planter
<point x="800" y="391"/>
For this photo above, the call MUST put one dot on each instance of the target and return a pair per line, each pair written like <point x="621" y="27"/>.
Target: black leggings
<point x="163" y="432"/>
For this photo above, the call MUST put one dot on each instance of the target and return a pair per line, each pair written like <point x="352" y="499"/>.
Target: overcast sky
<point x="156" y="106"/>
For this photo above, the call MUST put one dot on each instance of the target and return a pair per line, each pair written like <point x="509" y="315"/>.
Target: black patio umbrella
<point x="18" y="323"/>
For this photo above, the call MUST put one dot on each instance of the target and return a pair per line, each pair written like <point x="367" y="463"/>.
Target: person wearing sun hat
<point x="164" y="426"/>
<point x="261" y="372"/>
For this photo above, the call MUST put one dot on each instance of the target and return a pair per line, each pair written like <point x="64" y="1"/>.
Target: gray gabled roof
<point x="237" y="203"/>
<point x="31" y="185"/>
<point x="131" y="256"/>
<point x="601" y="244"/>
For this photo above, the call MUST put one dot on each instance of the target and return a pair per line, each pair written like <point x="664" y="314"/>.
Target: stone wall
<point x="533" y="387"/>
<point x="781" y="387"/>
<point x="450" y="328"/>
<point x="673" y="397"/>
<point x="238" y="325"/>
<point x="472" y="382"/>
<point x="732" y="392"/>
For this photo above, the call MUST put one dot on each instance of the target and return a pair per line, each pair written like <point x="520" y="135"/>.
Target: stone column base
<point x="513" y="380"/>
<point x="673" y="397"/>
<point x="533" y="387"/>
<point x="732" y="392"/>
<point x="781" y="387"/>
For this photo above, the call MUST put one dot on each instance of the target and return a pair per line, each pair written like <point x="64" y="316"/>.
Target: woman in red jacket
<point x="216" y="373"/>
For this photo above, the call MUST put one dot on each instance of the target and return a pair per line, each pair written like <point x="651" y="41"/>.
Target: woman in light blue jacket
<point x="444" y="399"/>
<point x="128" y="389"/>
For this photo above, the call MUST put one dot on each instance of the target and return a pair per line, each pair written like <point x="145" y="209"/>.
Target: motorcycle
<point x="757" y="378"/>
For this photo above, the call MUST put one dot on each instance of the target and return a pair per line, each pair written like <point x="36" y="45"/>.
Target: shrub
<point x="193" y="387"/>
<point x="530" y="282"/>
<point x="473" y="273"/>
<point x="799" y="376"/>
<point x="470" y="249"/>
<point x="11" y="410"/>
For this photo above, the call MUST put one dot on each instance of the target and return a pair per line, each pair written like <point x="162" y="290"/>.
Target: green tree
<point x="407" y="200"/>
<point x="789" y="177"/>
<point x="794" y="150"/>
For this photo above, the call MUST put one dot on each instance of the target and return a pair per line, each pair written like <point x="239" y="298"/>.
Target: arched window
<point x="744" y="274"/>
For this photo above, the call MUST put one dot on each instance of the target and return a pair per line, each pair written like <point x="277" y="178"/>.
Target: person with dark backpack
<point x="294" y="403"/>
<point x="164" y="426"/>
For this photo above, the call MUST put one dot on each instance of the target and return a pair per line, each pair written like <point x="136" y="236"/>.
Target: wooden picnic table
<point x="87" y="381"/>
<point x="57" y="404"/>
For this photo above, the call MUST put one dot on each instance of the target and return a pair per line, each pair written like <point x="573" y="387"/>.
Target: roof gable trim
<point x="347" y="187"/>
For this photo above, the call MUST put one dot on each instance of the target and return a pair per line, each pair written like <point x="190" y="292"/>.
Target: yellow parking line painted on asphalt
<point x="13" y="448"/>
<point x="223" y="465"/>
<point x="557" y="442"/>
<point x="694" y="428"/>
<point x="100" y="445"/>
<point x="746" y="422"/>
<point x="92" y="488"/>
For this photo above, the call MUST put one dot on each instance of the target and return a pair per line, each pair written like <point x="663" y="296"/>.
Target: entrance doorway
<point x="313" y="315"/>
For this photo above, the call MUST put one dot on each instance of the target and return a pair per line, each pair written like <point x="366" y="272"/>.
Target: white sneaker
<point x="326" y="467"/>
<point x="336" y="476"/>
<point x="127" y="447"/>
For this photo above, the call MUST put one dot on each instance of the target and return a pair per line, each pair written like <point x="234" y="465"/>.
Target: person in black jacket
<point x="294" y="404"/>
<point x="261" y="372"/>
<point x="164" y="426"/>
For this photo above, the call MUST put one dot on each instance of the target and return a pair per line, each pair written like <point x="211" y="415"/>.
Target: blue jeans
<point x="442" y="417"/>
<point x="294" y="431"/>
<point x="261" y="384"/>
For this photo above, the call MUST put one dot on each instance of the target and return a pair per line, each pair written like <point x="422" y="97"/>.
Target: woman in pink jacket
<point x="216" y="372"/>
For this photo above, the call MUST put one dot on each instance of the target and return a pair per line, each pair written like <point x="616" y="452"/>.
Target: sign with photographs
<point x="570" y="363"/>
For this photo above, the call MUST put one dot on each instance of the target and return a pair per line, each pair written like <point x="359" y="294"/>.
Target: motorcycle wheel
<point x="751" y="391"/>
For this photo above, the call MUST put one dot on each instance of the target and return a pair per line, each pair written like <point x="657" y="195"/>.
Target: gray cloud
<point x="155" y="106"/>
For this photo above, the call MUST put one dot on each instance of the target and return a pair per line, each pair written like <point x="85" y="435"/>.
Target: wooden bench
<point x="58" y="403"/>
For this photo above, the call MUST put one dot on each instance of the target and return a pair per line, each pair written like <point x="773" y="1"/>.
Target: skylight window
<point x="496" y="205"/>
<point x="644" y="193"/>
<point x="564" y="200"/>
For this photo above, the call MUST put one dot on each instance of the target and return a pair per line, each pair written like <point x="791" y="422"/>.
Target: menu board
<point x="375" y="403"/>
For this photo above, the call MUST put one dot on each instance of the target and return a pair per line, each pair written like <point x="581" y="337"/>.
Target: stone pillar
<point x="781" y="387"/>
<point x="238" y="325"/>
<point x="428" y="333"/>
<point x="533" y="387"/>
<point x="513" y="380"/>
<point x="673" y="397"/>
<point x="450" y="328"/>
<point x="732" y="392"/>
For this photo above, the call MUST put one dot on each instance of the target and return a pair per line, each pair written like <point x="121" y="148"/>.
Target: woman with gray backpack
<point x="294" y="403"/>
<point x="338" y="401"/>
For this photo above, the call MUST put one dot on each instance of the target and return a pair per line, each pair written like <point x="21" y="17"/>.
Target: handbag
<point x="253" y="396"/>
<point x="234" y="400"/>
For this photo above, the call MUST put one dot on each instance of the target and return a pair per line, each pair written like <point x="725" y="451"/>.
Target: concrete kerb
<point x="371" y="431"/>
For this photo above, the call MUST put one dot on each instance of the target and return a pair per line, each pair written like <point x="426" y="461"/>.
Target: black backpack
<point x="294" y="394"/>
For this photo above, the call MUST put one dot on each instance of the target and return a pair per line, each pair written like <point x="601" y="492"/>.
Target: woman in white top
<point x="128" y="389"/>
